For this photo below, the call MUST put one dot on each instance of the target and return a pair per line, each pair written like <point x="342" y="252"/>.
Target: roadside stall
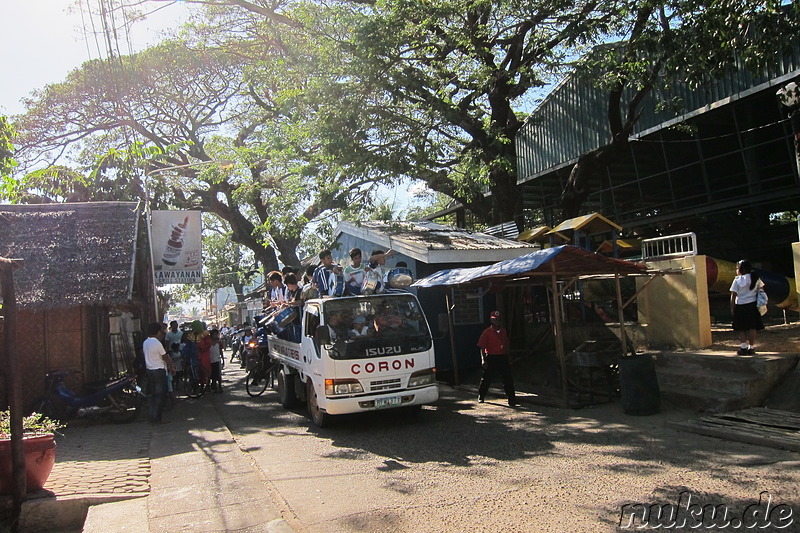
<point x="562" y="272"/>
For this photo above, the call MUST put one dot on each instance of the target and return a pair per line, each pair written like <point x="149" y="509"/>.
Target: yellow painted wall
<point x="674" y="307"/>
<point x="796" y="256"/>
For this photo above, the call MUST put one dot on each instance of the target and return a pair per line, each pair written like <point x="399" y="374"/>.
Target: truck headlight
<point x="422" y="378"/>
<point x="338" y="387"/>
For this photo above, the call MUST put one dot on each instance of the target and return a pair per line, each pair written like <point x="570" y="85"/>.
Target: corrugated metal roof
<point x="572" y="119"/>
<point x="435" y="243"/>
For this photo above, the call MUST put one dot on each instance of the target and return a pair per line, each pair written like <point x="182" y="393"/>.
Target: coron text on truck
<point x="337" y="371"/>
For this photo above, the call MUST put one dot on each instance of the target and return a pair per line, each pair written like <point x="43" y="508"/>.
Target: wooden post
<point x="620" y="310"/>
<point x="559" y="338"/>
<point x="456" y="380"/>
<point x="14" y="399"/>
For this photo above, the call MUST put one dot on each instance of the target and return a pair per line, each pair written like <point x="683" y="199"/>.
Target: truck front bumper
<point x="374" y="402"/>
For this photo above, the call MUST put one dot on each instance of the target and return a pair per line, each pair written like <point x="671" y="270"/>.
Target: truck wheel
<point x="286" y="393"/>
<point x="320" y="418"/>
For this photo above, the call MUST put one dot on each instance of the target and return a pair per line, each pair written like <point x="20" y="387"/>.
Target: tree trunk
<point x="506" y="199"/>
<point x="287" y="250"/>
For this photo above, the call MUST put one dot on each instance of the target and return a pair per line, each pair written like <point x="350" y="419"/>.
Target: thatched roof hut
<point x="74" y="254"/>
<point x="85" y="289"/>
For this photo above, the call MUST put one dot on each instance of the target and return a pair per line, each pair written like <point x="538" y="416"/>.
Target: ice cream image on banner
<point x="172" y="252"/>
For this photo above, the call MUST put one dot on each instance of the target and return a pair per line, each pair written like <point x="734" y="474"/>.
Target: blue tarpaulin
<point x="563" y="261"/>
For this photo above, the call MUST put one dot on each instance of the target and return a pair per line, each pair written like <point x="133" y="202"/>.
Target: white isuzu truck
<point x="358" y="354"/>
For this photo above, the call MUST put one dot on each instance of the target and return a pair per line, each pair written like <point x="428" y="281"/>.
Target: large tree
<point x="7" y="162"/>
<point x="157" y="116"/>
<point x="437" y="91"/>
<point x="432" y="91"/>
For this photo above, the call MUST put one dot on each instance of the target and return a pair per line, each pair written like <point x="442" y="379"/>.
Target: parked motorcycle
<point x="235" y="344"/>
<point x="119" y="399"/>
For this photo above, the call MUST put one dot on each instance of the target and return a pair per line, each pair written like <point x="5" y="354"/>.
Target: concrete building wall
<point x="674" y="308"/>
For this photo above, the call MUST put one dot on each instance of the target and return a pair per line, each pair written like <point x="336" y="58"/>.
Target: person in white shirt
<point x="158" y="363"/>
<point x="216" y="361"/>
<point x="746" y="317"/>
<point x="277" y="293"/>
<point x="377" y="263"/>
<point x="172" y="343"/>
<point x="354" y="273"/>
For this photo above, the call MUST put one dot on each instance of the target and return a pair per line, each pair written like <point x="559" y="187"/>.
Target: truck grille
<point x="384" y="384"/>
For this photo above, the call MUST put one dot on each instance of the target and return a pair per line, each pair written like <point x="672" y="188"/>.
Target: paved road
<point x="464" y="466"/>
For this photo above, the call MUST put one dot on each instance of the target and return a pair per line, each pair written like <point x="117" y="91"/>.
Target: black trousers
<point x="497" y="364"/>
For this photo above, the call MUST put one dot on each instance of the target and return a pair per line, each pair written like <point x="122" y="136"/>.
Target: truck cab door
<point x="311" y="325"/>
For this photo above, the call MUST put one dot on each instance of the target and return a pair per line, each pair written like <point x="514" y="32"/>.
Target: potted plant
<point x="38" y="437"/>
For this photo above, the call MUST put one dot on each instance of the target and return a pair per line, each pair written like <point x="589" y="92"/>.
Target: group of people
<point x="330" y="279"/>
<point x="326" y="279"/>
<point x="170" y="352"/>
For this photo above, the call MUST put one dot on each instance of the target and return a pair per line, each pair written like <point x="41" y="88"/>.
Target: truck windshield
<point x="376" y="326"/>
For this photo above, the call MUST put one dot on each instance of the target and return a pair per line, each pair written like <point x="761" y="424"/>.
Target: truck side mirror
<point x="323" y="335"/>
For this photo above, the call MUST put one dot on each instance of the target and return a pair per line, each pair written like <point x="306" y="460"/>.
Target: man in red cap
<point x="494" y="352"/>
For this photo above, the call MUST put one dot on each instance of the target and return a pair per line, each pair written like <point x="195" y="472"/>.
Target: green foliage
<point x="7" y="162"/>
<point x="34" y="424"/>
<point x="784" y="217"/>
<point x="320" y="104"/>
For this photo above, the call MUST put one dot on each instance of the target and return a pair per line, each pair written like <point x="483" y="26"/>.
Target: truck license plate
<point x="392" y="401"/>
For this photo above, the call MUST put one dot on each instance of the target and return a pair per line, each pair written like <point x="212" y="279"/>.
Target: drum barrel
<point x="638" y="384"/>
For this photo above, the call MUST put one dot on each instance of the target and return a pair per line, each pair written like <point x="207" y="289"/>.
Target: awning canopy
<point x="563" y="261"/>
<point x="591" y="223"/>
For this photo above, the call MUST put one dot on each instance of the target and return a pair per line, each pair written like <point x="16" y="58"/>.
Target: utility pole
<point x="14" y="384"/>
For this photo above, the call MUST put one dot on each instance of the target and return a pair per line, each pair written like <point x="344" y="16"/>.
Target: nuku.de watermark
<point x="690" y="512"/>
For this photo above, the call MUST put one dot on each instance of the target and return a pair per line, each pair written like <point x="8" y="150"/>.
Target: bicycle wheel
<point x="256" y="382"/>
<point x="126" y="406"/>
<point x="191" y="385"/>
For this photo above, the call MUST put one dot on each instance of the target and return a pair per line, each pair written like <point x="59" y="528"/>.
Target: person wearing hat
<point x="360" y="328"/>
<point x="493" y="343"/>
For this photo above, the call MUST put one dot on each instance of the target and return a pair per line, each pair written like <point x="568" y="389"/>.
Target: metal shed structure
<point x="557" y="268"/>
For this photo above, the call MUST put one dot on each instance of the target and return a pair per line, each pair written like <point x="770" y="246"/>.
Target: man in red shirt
<point x="494" y="352"/>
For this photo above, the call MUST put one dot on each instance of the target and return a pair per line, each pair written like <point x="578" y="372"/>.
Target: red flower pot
<point x="40" y="456"/>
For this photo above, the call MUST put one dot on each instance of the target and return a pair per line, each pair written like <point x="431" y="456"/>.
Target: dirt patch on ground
<point x="775" y="338"/>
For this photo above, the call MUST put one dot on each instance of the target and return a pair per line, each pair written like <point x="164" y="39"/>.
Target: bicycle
<point x="191" y="382"/>
<point x="260" y="374"/>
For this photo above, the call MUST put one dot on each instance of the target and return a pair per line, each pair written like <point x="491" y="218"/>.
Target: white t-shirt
<point x="354" y="276"/>
<point x="153" y="350"/>
<point x="741" y="286"/>
<point x="173" y="337"/>
<point x="214" y="351"/>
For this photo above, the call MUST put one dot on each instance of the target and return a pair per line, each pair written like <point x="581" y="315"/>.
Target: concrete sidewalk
<point x="185" y="475"/>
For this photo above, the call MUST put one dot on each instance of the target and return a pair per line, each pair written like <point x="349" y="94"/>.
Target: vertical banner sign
<point x="176" y="247"/>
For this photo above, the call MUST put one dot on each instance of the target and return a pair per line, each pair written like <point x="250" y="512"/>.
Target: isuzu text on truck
<point x="358" y="354"/>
